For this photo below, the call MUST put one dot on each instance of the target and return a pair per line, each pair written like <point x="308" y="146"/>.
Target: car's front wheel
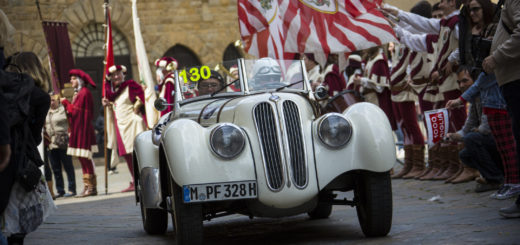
<point x="187" y="218"/>
<point x="373" y="196"/>
<point x="324" y="207"/>
<point x="155" y="221"/>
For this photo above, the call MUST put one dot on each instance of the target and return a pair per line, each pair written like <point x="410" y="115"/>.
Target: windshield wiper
<point x="288" y="85"/>
<point x="225" y="86"/>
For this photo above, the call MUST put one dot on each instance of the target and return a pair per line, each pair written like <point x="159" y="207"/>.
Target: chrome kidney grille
<point x="295" y="143"/>
<point x="267" y="127"/>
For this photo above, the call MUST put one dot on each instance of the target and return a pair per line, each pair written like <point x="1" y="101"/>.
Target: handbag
<point x="62" y="140"/>
<point x="29" y="175"/>
<point x="27" y="210"/>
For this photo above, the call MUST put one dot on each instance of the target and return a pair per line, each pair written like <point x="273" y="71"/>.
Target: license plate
<point x="219" y="191"/>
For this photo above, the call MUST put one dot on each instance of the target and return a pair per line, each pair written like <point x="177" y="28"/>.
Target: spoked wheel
<point x="187" y="218"/>
<point x="373" y="195"/>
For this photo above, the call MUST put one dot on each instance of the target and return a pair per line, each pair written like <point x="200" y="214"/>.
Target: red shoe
<point x="129" y="188"/>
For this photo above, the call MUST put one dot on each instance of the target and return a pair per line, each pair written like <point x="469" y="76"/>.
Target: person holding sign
<point x="494" y="106"/>
<point x="480" y="151"/>
<point x="125" y="102"/>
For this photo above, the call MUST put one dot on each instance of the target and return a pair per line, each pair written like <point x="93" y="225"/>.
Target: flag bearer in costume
<point x="375" y="82"/>
<point x="442" y="38"/>
<point x="353" y="69"/>
<point x="126" y="118"/>
<point x="313" y="69"/>
<point x="166" y="80"/>
<point x="420" y="67"/>
<point x="330" y="76"/>
<point x="82" y="137"/>
<point x="409" y="78"/>
<point x="403" y="98"/>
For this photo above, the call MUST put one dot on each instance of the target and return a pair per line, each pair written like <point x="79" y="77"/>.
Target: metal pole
<point x="105" y="111"/>
<point x="39" y="10"/>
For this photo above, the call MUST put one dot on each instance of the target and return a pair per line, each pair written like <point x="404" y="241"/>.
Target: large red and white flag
<point x="273" y="28"/>
<point x="145" y="73"/>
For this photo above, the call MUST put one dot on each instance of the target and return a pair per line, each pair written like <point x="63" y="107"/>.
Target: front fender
<point x="371" y="146"/>
<point x="147" y="168"/>
<point x="191" y="160"/>
<point x="147" y="153"/>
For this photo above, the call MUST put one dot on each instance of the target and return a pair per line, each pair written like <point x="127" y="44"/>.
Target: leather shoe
<point x="486" y="187"/>
<point x="129" y="188"/>
<point x="69" y="194"/>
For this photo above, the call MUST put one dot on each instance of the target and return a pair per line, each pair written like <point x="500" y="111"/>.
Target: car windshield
<point x="268" y="73"/>
<point x="209" y="80"/>
<point x="224" y="79"/>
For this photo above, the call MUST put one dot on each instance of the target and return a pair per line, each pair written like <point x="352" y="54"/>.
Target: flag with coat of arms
<point x="275" y="28"/>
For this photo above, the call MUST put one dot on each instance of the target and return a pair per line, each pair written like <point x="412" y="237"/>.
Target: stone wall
<point x="207" y="27"/>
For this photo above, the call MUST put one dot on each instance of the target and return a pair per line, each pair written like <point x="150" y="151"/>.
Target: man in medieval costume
<point x="125" y="117"/>
<point x="166" y="80"/>
<point x="82" y="136"/>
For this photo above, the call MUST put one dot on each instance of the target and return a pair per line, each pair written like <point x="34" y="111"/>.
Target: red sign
<point x="437" y="125"/>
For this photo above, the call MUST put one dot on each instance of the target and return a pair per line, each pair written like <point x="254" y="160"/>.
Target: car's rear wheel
<point x="187" y="218"/>
<point x="373" y="196"/>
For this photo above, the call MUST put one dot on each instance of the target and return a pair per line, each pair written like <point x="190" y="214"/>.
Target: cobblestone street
<point x="456" y="216"/>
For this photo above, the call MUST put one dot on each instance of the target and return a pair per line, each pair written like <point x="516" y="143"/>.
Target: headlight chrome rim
<point x="325" y="140"/>
<point x="241" y="145"/>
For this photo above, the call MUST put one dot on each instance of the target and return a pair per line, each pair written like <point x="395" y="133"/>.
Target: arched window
<point x="231" y="53"/>
<point x="89" y="42"/>
<point x="183" y="55"/>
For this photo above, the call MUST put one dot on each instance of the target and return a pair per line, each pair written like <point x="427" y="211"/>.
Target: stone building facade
<point x="193" y="31"/>
<point x="202" y="29"/>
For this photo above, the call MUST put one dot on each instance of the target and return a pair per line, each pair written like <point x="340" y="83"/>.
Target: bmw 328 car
<point x="262" y="146"/>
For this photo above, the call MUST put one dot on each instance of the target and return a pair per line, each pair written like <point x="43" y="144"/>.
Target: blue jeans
<point x="480" y="152"/>
<point x="3" y="240"/>
<point x="58" y="157"/>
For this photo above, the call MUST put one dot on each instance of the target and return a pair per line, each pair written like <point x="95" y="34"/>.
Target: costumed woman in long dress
<point x="82" y="135"/>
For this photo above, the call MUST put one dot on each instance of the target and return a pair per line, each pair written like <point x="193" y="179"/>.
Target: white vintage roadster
<point x="264" y="149"/>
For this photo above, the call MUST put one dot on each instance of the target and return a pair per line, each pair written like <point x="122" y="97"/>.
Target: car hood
<point x="230" y="109"/>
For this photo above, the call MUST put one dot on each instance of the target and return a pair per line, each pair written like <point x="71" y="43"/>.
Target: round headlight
<point x="334" y="130"/>
<point x="227" y="141"/>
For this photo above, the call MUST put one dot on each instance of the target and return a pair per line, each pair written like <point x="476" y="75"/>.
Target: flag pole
<point x="39" y="10"/>
<point x="55" y="83"/>
<point x="105" y="5"/>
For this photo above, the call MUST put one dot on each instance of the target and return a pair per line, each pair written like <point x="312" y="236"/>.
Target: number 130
<point x="196" y="74"/>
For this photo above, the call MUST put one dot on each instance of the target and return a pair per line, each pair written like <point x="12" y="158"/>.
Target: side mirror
<point x="160" y="104"/>
<point x="321" y="93"/>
